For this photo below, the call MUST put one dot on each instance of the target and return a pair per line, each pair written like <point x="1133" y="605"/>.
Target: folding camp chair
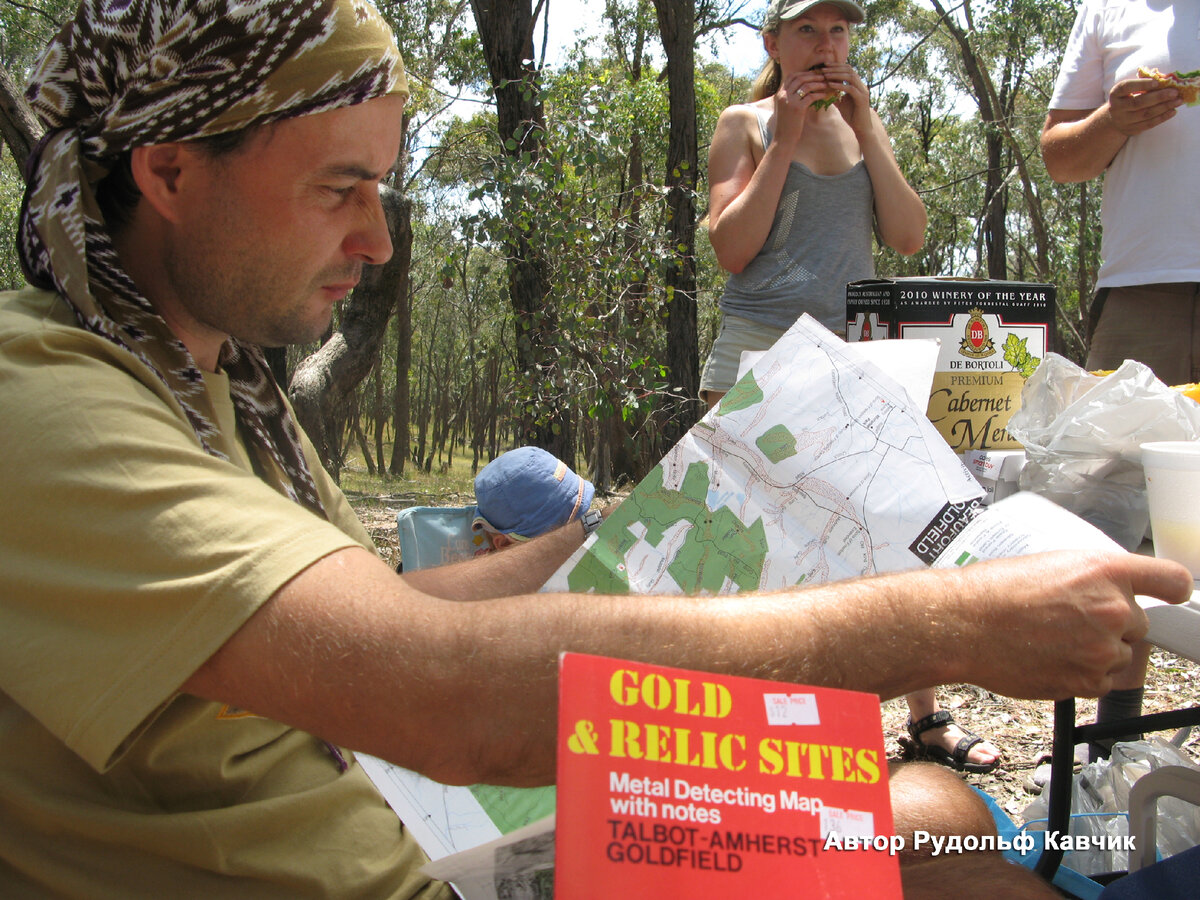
<point x="1066" y="735"/>
<point x="1068" y="881"/>
<point x="1179" y="632"/>
<point x="1176" y="877"/>
<point x="436" y="535"/>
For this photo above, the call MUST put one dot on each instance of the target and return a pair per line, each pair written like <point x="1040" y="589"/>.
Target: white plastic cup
<point x="1172" y="471"/>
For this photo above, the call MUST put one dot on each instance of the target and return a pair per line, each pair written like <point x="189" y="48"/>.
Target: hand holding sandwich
<point x="844" y="89"/>
<point x="793" y="100"/>
<point x="1139" y="104"/>
<point x="1079" y="144"/>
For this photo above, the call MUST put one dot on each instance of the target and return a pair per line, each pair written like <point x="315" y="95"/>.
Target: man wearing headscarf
<point x="118" y="784"/>
<point x="194" y="628"/>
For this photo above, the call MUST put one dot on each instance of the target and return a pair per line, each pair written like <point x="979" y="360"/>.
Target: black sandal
<point x="954" y="759"/>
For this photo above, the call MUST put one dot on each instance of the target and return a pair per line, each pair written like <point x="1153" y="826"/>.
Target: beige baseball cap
<point x="782" y="10"/>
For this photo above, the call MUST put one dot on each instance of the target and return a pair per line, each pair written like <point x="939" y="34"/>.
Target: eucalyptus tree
<point x="25" y="29"/>
<point x="506" y="32"/>
<point x="442" y="54"/>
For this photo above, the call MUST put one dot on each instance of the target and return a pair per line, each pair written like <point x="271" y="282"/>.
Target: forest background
<point x="552" y="283"/>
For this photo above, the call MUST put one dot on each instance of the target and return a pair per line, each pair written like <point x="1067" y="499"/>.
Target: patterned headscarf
<point x="127" y="74"/>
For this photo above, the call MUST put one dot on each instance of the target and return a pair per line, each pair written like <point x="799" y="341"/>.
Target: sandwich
<point x="833" y="97"/>
<point x="1187" y="83"/>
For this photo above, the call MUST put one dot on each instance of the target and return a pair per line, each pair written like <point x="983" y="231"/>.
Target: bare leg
<point x="712" y="398"/>
<point x="929" y="798"/>
<point x="973" y="875"/>
<point x="1134" y="675"/>
<point x="922" y="704"/>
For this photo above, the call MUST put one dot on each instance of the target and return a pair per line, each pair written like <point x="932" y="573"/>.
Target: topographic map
<point x="816" y="466"/>
<point x="448" y="819"/>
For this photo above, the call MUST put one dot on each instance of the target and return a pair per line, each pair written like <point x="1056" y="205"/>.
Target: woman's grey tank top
<point x="820" y="240"/>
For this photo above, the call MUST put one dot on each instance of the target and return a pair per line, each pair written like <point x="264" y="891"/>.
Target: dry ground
<point x="1021" y="729"/>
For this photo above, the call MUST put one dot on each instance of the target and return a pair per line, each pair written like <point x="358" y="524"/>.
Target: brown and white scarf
<point x="127" y="74"/>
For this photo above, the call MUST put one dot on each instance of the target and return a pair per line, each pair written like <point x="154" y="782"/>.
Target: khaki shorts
<point x="1156" y="324"/>
<point x="737" y="336"/>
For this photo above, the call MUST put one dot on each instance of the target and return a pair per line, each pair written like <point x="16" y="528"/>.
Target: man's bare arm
<point x="521" y="568"/>
<point x="467" y="692"/>
<point x="1079" y="144"/>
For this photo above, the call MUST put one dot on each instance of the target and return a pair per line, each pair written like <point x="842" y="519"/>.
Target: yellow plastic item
<point x="1189" y="390"/>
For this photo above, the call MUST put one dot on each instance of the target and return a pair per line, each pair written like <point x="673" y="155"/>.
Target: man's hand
<point x="1139" y="104"/>
<point x="1061" y="624"/>
<point x="1079" y="144"/>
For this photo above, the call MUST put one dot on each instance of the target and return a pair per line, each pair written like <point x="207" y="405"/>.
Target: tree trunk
<point x="277" y="360"/>
<point x="996" y="110"/>
<point x="402" y="394"/>
<point x="18" y="125"/>
<point x="378" y="413"/>
<point x="676" y="23"/>
<point x="323" y="381"/>
<point x="506" y="31"/>
<point x="995" y="210"/>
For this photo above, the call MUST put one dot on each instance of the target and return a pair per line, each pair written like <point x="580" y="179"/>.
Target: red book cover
<point x="688" y="784"/>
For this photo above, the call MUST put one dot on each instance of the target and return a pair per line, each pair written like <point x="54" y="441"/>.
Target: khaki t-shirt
<point x="128" y="555"/>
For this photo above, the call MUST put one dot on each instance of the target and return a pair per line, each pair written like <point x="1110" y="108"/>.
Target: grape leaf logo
<point x="1017" y="355"/>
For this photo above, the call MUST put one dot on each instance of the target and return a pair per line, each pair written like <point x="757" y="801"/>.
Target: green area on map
<point x="511" y="808"/>
<point x="777" y="443"/>
<point x="744" y="394"/>
<point x="717" y="546"/>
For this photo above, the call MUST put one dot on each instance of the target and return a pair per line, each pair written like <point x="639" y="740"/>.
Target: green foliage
<point x="593" y="212"/>
<point x="591" y="205"/>
<point x="25" y="29"/>
<point x="11" y="190"/>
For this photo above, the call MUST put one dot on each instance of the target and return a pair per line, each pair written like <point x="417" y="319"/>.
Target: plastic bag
<point x="1082" y="434"/>
<point x="1100" y="806"/>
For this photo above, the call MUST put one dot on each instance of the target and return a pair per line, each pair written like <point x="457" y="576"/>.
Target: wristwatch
<point x="591" y="521"/>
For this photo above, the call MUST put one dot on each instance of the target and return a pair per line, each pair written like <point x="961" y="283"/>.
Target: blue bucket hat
<point x="527" y="492"/>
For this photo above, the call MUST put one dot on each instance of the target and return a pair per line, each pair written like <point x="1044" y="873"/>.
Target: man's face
<point x="271" y="236"/>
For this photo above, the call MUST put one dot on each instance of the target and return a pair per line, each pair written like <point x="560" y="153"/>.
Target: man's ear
<point x="500" y="541"/>
<point x="156" y="170"/>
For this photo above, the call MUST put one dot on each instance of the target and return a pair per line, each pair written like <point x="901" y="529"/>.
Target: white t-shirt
<point x="1151" y="207"/>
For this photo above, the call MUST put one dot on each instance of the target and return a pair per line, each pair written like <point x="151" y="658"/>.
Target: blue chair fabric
<point x="436" y="535"/>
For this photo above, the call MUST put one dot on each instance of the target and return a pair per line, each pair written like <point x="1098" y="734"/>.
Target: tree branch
<point x="18" y="125"/>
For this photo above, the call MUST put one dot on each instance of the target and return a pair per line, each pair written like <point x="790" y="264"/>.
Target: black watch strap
<point x="591" y="520"/>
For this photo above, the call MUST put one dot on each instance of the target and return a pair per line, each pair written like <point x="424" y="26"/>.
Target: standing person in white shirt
<point x="1104" y="119"/>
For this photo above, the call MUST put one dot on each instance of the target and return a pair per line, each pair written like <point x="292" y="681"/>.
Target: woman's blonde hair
<point x="767" y="82"/>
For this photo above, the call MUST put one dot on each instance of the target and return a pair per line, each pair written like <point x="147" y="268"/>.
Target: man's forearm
<point x="1080" y="149"/>
<point x="1079" y="144"/>
<point x="520" y="568"/>
<point x="468" y="691"/>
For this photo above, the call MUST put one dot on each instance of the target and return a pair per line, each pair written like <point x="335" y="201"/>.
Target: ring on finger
<point x="799" y="93"/>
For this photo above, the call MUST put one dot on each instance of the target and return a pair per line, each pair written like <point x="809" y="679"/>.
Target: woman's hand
<point x="792" y="101"/>
<point x="855" y="102"/>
